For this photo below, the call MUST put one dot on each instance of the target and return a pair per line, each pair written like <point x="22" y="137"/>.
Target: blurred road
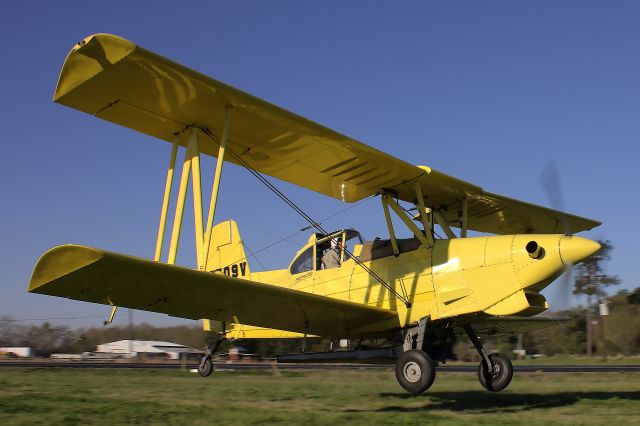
<point x="250" y="366"/>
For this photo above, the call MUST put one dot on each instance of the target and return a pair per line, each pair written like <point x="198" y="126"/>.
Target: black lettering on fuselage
<point x="235" y="270"/>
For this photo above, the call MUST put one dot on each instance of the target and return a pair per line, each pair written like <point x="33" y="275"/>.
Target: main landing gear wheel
<point x="205" y="368"/>
<point x="501" y="375"/>
<point x="415" y="371"/>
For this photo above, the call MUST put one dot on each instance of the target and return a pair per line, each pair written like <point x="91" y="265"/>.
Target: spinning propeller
<point x="550" y="180"/>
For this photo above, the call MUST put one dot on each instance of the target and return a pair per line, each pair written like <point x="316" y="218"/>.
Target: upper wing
<point x="116" y="80"/>
<point x="92" y="275"/>
<point x="493" y="326"/>
<point x="497" y="214"/>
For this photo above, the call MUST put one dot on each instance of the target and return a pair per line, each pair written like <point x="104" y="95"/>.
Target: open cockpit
<point x="341" y="246"/>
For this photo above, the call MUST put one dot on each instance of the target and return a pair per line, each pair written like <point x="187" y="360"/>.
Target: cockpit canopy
<point x="310" y="257"/>
<point x="348" y="242"/>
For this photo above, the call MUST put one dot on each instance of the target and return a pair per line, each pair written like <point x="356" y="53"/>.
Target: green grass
<point x="568" y="360"/>
<point x="580" y="360"/>
<point x="113" y="396"/>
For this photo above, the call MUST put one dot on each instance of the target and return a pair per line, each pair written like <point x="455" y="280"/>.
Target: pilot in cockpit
<point x="331" y="258"/>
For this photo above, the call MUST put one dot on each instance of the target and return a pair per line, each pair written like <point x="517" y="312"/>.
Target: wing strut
<point x="426" y="218"/>
<point x="216" y="184"/>
<point x="190" y="168"/>
<point x="392" y="233"/>
<point x="182" y="196"/>
<point x="165" y="201"/>
<point x="437" y="214"/>
<point x="388" y="201"/>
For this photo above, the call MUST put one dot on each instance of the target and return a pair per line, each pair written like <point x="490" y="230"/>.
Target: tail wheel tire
<point x="501" y="375"/>
<point x="205" y="368"/>
<point x="415" y="371"/>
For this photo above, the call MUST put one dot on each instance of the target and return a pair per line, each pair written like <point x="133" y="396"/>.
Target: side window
<point x="351" y="238"/>
<point x="303" y="263"/>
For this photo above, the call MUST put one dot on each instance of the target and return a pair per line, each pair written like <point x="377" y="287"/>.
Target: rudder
<point x="226" y="251"/>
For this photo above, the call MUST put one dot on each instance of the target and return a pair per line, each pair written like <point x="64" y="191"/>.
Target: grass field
<point x="103" y="396"/>
<point x="579" y="360"/>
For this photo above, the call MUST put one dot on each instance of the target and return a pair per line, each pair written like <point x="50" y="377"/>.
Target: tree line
<point x="46" y="338"/>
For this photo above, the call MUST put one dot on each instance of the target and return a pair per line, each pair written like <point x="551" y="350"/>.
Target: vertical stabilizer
<point x="226" y="256"/>
<point x="226" y="252"/>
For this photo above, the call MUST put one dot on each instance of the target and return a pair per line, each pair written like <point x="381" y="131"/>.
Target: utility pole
<point x="589" y="328"/>
<point x="520" y="352"/>
<point x="603" y="310"/>
<point x="130" y="315"/>
<point x="591" y="280"/>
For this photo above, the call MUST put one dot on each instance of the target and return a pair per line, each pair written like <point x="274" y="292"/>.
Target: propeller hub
<point x="575" y="249"/>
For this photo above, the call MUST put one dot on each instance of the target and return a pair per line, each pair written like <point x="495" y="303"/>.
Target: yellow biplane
<point x="395" y="298"/>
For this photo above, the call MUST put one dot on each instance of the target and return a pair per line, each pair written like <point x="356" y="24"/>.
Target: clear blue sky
<point x="490" y="92"/>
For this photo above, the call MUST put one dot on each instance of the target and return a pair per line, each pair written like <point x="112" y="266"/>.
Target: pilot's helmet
<point x="334" y="243"/>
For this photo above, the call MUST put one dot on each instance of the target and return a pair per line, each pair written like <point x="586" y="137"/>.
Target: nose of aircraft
<point x="575" y="249"/>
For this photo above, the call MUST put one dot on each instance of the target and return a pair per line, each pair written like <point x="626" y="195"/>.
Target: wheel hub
<point x="496" y="370"/>
<point x="412" y="372"/>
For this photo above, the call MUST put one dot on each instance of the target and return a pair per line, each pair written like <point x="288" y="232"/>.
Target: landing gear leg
<point x="495" y="371"/>
<point x="205" y="368"/>
<point x="415" y="370"/>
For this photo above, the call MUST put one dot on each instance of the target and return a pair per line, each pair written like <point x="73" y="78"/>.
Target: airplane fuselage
<point x="492" y="275"/>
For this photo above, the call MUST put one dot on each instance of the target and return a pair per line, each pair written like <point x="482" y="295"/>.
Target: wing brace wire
<point x="402" y="297"/>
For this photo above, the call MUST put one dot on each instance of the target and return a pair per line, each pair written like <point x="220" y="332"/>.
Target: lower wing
<point x="97" y="276"/>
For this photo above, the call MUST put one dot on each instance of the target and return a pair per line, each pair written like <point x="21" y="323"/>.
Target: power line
<point x="253" y="254"/>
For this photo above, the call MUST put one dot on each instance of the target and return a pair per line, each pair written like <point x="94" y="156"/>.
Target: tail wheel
<point x="415" y="371"/>
<point x="501" y="375"/>
<point x="205" y="368"/>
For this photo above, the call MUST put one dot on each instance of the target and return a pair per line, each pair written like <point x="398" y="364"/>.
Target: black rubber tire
<point x="502" y="375"/>
<point x="415" y="371"/>
<point x="205" y="368"/>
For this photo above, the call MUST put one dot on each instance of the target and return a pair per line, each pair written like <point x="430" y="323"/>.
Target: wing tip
<point x="90" y="56"/>
<point x="60" y="261"/>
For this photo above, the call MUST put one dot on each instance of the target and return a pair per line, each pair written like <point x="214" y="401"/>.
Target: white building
<point x="22" y="352"/>
<point x="153" y="348"/>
